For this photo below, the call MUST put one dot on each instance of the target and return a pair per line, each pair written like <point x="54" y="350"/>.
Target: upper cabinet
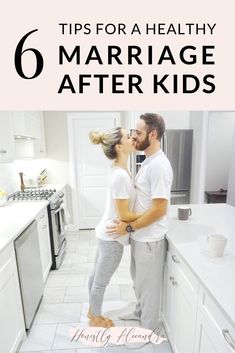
<point x="6" y="138"/>
<point x="39" y="143"/>
<point x="28" y="127"/>
<point x="27" y="124"/>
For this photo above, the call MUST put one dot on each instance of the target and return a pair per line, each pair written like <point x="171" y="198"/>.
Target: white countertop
<point x="189" y="238"/>
<point x="15" y="217"/>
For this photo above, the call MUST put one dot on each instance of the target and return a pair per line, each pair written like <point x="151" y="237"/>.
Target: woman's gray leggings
<point x="108" y="257"/>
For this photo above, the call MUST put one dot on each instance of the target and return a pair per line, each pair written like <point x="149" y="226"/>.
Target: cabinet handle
<point x="175" y="259"/>
<point x="3" y="151"/>
<point x="45" y="226"/>
<point x="228" y="339"/>
<point x="171" y="278"/>
<point x="174" y="283"/>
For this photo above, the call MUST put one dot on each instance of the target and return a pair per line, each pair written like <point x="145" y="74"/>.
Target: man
<point x="153" y="184"/>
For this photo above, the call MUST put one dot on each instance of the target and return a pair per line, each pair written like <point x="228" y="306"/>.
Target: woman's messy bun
<point x="108" y="140"/>
<point x="96" y="137"/>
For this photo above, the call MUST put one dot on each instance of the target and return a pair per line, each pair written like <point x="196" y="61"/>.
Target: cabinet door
<point x="186" y="312"/>
<point x="169" y="299"/>
<point x="214" y="334"/>
<point x="39" y="143"/>
<point x="209" y="338"/>
<point x="180" y="296"/>
<point x="6" y="138"/>
<point x="44" y="243"/>
<point x="11" y="318"/>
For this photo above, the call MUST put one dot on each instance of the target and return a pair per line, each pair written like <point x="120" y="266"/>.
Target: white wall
<point x="173" y="119"/>
<point x="219" y="149"/>
<point x="198" y="122"/>
<point x="8" y="178"/>
<point x="231" y="178"/>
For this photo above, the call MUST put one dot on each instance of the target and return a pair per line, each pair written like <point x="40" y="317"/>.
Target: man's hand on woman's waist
<point x="117" y="229"/>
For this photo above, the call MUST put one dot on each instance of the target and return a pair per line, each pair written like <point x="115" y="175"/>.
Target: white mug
<point x="217" y="243"/>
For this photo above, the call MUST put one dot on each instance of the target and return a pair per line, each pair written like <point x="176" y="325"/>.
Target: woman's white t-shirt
<point x="120" y="187"/>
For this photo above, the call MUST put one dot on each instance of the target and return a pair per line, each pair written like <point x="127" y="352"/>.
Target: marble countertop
<point x="190" y="239"/>
<point x="15" y="217"/>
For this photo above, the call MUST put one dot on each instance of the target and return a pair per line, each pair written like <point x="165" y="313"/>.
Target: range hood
<point x="24" y="148"/>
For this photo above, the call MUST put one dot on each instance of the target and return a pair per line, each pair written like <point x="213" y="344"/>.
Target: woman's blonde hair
<point x="108" y="140"/>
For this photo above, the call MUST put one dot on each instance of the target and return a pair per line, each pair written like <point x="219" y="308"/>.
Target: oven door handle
<point x="61" y="208"/>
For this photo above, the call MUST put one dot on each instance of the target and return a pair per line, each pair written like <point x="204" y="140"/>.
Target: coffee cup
<point x="217" y="243"/>
<point x="184" y="213"/>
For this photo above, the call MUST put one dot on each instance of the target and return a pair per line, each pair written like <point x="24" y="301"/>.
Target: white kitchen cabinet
<point x="214" y="334"/>
<point x="6" y="138"/>
<point x="169" y="295"/>
<point x="179" y="303"/>
<point x="44" y="242"/>
<point x="27" y="124"/>
<point x="39" y="143"/>
<point x="12" y="328"/>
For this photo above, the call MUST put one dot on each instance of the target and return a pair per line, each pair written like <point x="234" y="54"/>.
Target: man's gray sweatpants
<point x="108" y="257"/>
<point x="147" y="261"/>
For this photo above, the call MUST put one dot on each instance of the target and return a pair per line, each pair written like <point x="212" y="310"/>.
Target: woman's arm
<point x="122" y="208"/>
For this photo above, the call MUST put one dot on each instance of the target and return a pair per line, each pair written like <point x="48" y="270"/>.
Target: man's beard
<point x="141" y="146"/>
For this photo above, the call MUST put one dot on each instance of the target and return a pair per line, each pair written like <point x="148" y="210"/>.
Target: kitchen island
<point x="199" y="291"/>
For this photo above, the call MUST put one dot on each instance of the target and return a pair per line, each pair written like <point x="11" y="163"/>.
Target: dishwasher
<point x="30" y="271"/>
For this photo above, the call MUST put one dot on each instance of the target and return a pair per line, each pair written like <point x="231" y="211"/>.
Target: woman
<point x="117" y="146"/>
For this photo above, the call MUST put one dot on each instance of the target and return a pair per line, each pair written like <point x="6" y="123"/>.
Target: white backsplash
<point x="9" y="172"/>
<point x="8" y="180"/>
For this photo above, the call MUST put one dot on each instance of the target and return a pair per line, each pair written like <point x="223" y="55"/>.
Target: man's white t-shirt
<point x="152" y="181"/>
<point x="120" y="187"/>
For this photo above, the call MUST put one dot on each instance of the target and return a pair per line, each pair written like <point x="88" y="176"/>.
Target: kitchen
<point x="50" y="145"/>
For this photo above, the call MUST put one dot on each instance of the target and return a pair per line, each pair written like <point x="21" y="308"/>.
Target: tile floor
<point x="65" y="302"/>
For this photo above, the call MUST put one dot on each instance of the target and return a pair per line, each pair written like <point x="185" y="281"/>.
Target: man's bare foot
<point x="100" y="321"/>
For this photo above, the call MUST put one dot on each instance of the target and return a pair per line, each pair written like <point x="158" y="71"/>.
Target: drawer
<point x="212" y="311"/>
<point x="173" y="258"/>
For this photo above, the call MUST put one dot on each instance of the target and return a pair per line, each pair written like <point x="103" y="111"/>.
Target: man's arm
<point x="122" y="208"/>
<point x="155" y="212"/>
<point x="158" y="210"/>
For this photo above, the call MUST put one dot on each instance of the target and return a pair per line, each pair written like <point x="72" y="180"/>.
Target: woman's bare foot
<point x="100" y="321"/>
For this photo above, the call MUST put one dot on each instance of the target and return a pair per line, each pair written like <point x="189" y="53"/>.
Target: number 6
<point x="18" y="58"/>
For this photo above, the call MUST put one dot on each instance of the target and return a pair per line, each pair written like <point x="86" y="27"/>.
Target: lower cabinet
<point x="12" y="328"/>
<point x="193" y="321"/>
<point x="214" y="333"/>
<point x="179" y="304"/>
<point x="44" y="242"/>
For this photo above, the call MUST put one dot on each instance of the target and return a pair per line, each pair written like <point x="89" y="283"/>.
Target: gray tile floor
<point x="65" y="302"/>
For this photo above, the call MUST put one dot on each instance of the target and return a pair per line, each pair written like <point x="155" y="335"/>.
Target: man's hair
<point x="154" y="122"/>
